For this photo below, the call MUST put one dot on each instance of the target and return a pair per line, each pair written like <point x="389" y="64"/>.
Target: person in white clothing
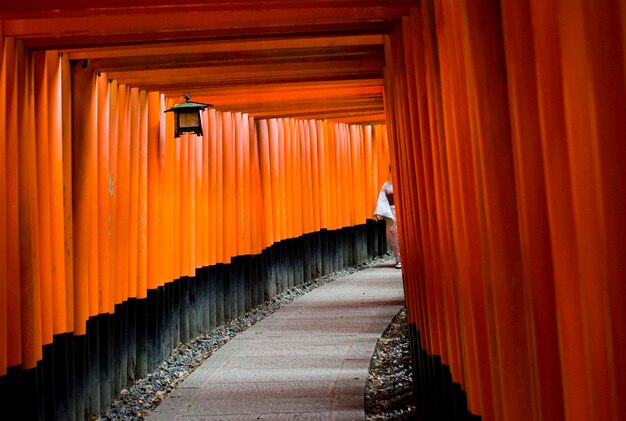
<point x="386" y="209"/>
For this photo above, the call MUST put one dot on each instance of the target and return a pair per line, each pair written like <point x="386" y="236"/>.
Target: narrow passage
<point x="309" y="359"/>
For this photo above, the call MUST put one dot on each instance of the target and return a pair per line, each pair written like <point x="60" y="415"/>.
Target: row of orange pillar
<point x="507" y="140"/>
<point x="99" y="203"/>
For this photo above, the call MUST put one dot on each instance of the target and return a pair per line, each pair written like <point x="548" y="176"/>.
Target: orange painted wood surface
<point x="3" y="210"/>
<point x="12" y="200"/>
<point x="296" y="184"/>
<point x="203" y="191"/>
<point x="142" y="211"/>
<point x="464" y="208"/>
<point x="594" y="141"/>
<point x="154" y="270"/>
<point x="256" y="196"/>
<point x="533" y="214"/>
<point x="511" y="284"/>
<point x="100" y="204"/>
<point x="121" y="194"/>
<point x="103" y="194"/>
<point x="274" y="178"/>
<point x="28" y="211"/>
<point x="229" y="187"/>
<point x="290" y="143"/>
<point x="264" y="155"/>
<point x="68" y="249"/>
<point x="84" y="167"/>
<point x="324" y="178"/>
<point x="113" y="193"/>
<point x="43" y="193"/>
<point x="168" y="191"/>
<point x="211" y="138"/>
<point x="504" y="131"/>
<point x="177" y="211"/>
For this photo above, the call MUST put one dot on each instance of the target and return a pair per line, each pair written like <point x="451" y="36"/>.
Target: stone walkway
<point x="309" y="360"/>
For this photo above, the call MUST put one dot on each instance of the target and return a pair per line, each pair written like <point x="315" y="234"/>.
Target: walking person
<point x="386" y="209"/>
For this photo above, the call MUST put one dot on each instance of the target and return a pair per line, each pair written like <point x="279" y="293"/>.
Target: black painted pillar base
<point x="438" y="397"/>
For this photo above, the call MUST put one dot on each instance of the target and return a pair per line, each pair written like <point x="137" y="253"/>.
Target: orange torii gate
<point x="506" y="136"/>
<point x="503" y="125"/>
<point x="107" y="210"/>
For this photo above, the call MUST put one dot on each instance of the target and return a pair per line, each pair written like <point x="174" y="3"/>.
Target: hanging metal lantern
<point x="187" y="117"/>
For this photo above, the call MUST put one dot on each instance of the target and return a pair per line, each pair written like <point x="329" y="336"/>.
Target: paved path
<point x="307" y="361"/>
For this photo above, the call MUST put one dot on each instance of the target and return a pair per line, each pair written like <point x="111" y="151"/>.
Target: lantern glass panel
<point x="189" y="120"/>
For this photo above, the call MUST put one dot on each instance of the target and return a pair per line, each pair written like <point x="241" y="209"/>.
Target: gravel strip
<point x="147" y="393"/>
<point x="389" y="388"/>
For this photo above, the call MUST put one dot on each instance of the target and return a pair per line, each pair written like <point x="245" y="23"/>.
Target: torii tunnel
<point x="503" y="123"/>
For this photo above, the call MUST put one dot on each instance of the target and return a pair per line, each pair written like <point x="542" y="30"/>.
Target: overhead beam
<point x="274" y="57"/>
<point x="267" y="96"/>
<point x="370" y="119"/>
<point x="193" y="22"/>
<point x="221" y="46"/>
<point x="307" y="87"/>
<point x="57" y="8"/>
<point x="305" y="59"/>
<point x="225" y="75"/>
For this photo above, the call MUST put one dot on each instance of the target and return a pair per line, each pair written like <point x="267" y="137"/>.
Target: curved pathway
<point x="309" y="360"/>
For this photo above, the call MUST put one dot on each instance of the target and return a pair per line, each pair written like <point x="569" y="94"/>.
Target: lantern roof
<point x="189" y="106"/>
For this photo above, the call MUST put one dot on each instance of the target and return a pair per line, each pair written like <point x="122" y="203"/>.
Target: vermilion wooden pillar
<point x="104" y="187"/>
<point x="332" y="176"/>
<point x="323" y="172"/>
<point x="546" y="387"/>
<point x="113" y="192"/>
<point x="210" y="139"/>
<point x="43" y="193"/>
<point x="184" y="219"/>
<point x="12" y="208"/>
<point x="239" y="134"/>
<point x="448" y="128"/>
<point x="204" y="207"/>
<point x="264" y="154"/>
<point x="185" y="215"/>
<point x="142" y="192"/>
<point x="244" y="138"/>
<point x="256" y="203"/>
<point x="274" y="168"/>
<point x="154" y="150"/>
<point x="290" y="204"/>
<point x="84" y="167"/>
<point x="560" y="215"/>
<point x="315" y="174"/>
<point x="192" y="141"/>
<point x="66" y="129"/>
<point x="219" y="219"/>
<point x="498" y="219"/>
<point x="122" y="199"/>
<point x="3" y="209"/>
<point x="281" y="169"/>
<point x="591" y="39"/>
<point x="176" y="212"/>
<point x="168" y="192"/>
